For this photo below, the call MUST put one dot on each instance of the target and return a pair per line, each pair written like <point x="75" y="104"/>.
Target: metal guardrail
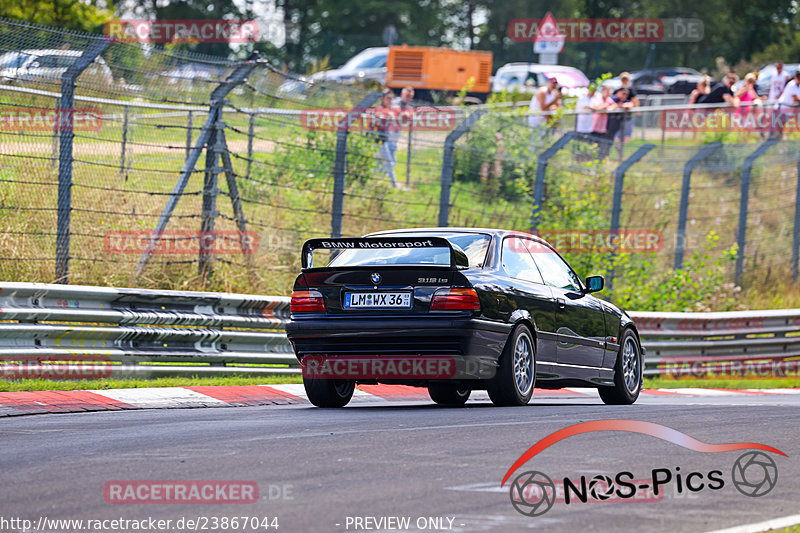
<point x="152" y="333"/>
<point x="139" y="332"/>
<point x="699" y="343"/>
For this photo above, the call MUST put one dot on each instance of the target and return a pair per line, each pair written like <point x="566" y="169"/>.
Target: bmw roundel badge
<point x="375" y="277"/>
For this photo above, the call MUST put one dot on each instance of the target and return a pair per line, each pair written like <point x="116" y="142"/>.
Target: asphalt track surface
<point x="410" y="459"/>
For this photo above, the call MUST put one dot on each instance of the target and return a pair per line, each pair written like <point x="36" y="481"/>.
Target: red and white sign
<point x="549" y="40"/>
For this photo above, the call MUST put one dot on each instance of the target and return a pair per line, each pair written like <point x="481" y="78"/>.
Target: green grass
<point x="755" y="383"/>
<point x="102" y="384"/>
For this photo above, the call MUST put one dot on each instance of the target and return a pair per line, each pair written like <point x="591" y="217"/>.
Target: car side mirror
<point x="595" y="283"/>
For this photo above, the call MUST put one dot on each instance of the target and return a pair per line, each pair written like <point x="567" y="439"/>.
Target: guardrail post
<point x="741" y="239"/>
<point x="217" y="97"/>
<point x="541" y="174"/>
<point x="65" y="127"/>
<point x="688" y="168"/>
<point x="619" y="186"/>
<point x="447" y="162"/>
<point x="125" y="113"/>
<point x="340" y="164"/>
<point x="796" y="237"/>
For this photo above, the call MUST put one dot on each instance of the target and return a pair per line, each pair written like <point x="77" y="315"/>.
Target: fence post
<point x="447" y="162"/>
<point x="340" y="164"/>
<point x="796" y="237"/>
<point x="208" y="214"/>
<point x="250" y="132"/>
<point x="189" y="122"/>
<point x="245" y="243"/>
<point x="217" y="97"/>
<point x="741" y="239"/>
<point x="541" y="173"/>
<point x="54" y="145"/>
<point x="688" y="168"/>
<point x="125" y="113"/>
<point x="65" y="127"/>
<point x="619" y="187"/>
<point x="408" y="152"/>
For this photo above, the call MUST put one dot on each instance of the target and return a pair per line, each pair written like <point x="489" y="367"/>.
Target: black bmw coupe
<point x="456" y="310"/>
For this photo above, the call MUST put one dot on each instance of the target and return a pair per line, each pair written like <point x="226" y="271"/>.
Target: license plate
<point x="361" y="300"/>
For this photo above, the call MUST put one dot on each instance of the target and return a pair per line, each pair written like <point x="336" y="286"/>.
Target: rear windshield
<point x="474" y="246"/>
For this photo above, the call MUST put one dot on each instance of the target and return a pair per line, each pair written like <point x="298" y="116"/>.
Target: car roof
<point x="52" y="52"/>
<point x="535" y="67"/>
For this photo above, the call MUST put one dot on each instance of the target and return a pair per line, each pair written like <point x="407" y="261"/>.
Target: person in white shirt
<point x="547" y="98"/>
<point x="787" y="106"/>
<point x="583" y="120"/>
<point x="778" y="82"/>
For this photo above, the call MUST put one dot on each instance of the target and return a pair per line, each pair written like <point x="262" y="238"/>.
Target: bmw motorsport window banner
<point x="377" y="243"/>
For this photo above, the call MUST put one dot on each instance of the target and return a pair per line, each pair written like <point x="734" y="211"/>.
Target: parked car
<point x="515" y="76"/>
<point x="42" y="65"/>
<point x="369" y="64"/>
<point x="668" y="80"/>
<point x="504" y="305"/>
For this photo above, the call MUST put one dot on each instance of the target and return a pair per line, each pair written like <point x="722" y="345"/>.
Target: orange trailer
<point x="438" y="69"/>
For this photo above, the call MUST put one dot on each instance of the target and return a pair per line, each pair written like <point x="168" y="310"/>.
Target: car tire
<point x="628" y="372"/>
<point x="513" y="383"/>
<point x="329" y="392"/>
<point x="448" y="394"/>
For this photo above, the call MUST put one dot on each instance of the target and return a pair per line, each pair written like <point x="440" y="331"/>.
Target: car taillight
<point x="455" y="300"/>
<point x="307" y="302"/>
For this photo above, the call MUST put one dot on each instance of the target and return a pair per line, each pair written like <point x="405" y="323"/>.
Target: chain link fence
<point x="124" y="164"/>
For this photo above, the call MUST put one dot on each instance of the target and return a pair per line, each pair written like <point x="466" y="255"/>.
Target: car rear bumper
<point x="418" y="336"/>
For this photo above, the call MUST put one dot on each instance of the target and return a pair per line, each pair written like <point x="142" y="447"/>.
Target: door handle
<point x="562" y="304"/>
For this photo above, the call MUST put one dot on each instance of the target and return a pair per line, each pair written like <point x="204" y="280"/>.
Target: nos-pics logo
<point x="533" y="493"/>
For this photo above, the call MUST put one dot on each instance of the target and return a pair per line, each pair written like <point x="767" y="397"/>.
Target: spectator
<point x="778" y="82"/>
<point x="627" y="129"/>
<point x="600" y="102"/>
<point x="787" y="104"/>
<point x="748" y="93"/>
<point x="702" y="89"/>
<point x="386" y="127"/>
<point x="583" y="120"/>
<point x="546" y="98"/>
<point x="721" y="92"/>
<point x="619" y="100"/>
<point x="406" y="97"/>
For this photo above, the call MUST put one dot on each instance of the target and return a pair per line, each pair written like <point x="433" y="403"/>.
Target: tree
<point x="76" y="15"/>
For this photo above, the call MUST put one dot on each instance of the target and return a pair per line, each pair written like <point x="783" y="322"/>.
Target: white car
<point x="515" y="76"/>
<point x="369" y="64"/>
<point x="37" y="65"/>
